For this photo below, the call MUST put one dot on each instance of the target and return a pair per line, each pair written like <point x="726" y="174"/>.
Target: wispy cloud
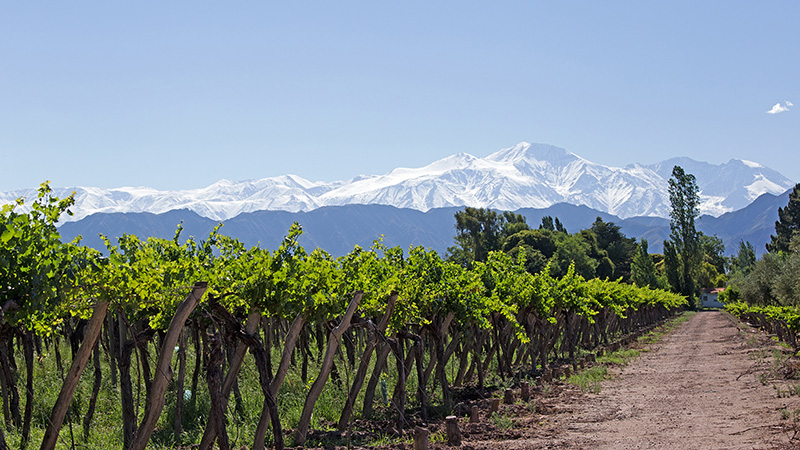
<point x="778" y="108"/>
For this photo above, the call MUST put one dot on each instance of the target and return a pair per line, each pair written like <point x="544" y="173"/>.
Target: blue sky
<point x="177" y="95"/>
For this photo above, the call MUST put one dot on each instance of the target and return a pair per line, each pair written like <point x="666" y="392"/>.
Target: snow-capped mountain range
<point x="523" y="176"/>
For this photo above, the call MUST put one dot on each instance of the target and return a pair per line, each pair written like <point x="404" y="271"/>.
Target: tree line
<point x="771" y="280"/>
<point x="691" y="260"/>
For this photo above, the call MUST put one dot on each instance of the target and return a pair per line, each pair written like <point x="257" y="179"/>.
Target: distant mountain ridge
<point x="337" y="229"/>
<point x="523" y="176"/>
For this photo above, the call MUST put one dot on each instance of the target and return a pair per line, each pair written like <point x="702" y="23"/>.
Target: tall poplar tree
<point x="683" y="253"/>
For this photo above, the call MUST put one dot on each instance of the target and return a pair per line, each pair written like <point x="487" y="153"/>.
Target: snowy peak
<point x="436" y="168"/>
<point x="523" y="176"/>
<point x="752" y="164"/>
<point x="533" y="153"/>
<point x="729" y="186"/>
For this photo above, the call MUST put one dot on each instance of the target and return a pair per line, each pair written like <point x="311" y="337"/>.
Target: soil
<point x="709" y="384"/>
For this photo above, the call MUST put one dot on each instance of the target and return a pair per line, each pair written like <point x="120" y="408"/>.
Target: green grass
<point x="439" y="436"/>
<point x="620" y="357"/>
<point x="387" y="439"/>
<point x="105" y="431"/>
<point x="502" y="421"/>
<point x="676" y="321"/>
<point x="589" y="380"/>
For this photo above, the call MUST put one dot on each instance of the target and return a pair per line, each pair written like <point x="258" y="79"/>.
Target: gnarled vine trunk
<point x="327" y="364"/>
<point x="155" y="402"/>
<point x="377" y="335"/>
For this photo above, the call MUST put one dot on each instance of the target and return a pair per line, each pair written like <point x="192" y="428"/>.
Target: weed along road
<point x="708" y="384"/>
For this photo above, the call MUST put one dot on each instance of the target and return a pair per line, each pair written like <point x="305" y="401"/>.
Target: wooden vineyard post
<point x="474" y="415"/>
<point x="495" y="406"/>
<point x="525" y="392"/>
<point x="421" y="438"/>
<point x="453" y="433"/>
<point x="508" y="397"/>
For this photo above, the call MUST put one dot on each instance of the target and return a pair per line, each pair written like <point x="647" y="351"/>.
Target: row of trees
<point x="600" y="251"/>
<point x="691" y="259"/>
<point x="772" y="280"/>
<point x="158" y="318"/>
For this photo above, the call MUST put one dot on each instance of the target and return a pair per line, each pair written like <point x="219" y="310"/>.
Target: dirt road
<point x="704" y="386"/>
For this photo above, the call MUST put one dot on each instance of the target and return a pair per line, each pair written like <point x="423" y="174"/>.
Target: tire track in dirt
<point x="692" y="390"/>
